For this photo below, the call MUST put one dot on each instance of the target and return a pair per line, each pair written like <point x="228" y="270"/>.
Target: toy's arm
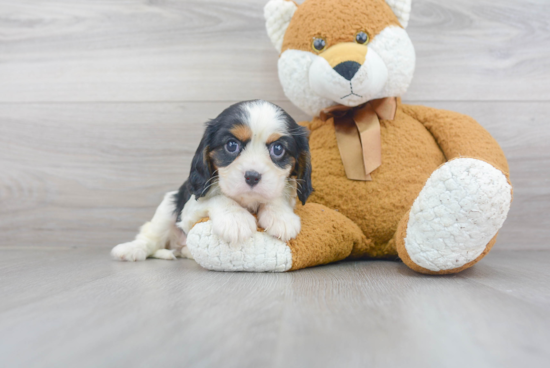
<point x="460" y="136"/>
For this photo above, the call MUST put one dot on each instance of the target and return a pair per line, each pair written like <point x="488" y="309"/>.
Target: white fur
<point x="154" y="236"/>
<point x="279" y="220"/>
<point x="261" y="253"/>
<point x="278" y="14"/>
<point x="228" y="212"/>
<point x="264" y="119"/>
<point x="460" y="209"/>
<point x="310" y="83"/>
<point x="232" y="223"/>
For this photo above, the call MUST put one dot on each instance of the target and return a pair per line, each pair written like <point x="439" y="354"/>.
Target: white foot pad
<point x="261" y="253"/>
<point x="460" y="209"/>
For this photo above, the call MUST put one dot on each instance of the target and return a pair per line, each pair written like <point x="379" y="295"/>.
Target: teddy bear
<point x="430" y="187"/>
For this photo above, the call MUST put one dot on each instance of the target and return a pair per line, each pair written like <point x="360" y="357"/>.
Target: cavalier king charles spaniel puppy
<point x="253" y="159"/>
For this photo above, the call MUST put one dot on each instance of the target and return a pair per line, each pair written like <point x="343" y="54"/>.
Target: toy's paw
<point x="235" y="227"/>
<point x="460" y="209"/>
<point x="260" y="253"/>
<point x="283" y="226"/>
<point x="132" y="251"/>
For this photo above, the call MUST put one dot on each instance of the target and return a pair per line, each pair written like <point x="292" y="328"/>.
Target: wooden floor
<point x="76" y="308"/>
<point x="101" y="109"/>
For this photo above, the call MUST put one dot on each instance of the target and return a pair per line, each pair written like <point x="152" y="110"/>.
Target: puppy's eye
<point x="232" y="146"/>
<point x="276" y="150"/>
<point x="362" y="38"/>
<point x="318" y="44"/>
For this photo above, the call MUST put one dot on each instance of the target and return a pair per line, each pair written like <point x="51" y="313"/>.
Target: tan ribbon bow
<point x="358" y="134"/>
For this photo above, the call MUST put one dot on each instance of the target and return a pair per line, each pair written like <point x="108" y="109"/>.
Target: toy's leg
<point x="326" y="236"/>
<point x="454" y="221"/>
<point x="154" y="236"/>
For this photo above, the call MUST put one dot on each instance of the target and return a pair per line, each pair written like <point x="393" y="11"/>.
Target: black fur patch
<point x="297" y="146"/>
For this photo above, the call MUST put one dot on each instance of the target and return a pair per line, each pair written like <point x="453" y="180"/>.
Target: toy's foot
<point x="260" y="253"/>
<point x="326" y="236"/>
<point x="457" y="214"/>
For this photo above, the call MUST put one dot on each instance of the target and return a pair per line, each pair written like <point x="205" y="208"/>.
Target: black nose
<point x="347" y="69"/>
<point x="252" y="177"/>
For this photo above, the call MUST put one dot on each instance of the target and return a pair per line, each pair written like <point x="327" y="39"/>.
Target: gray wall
<point x="101" y="104"/>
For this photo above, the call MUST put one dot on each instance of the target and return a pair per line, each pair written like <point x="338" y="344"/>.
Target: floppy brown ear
<point x="303" y="176"/>
<point x="302" y="168"/>
<point x="202" y="167"/>
<point x="278" y="14"/>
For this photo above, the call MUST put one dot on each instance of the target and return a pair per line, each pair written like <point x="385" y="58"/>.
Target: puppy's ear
<point x="302" y="170"/>
<point x="201" y="168"/>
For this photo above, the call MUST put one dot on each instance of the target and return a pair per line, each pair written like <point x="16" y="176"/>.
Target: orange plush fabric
<point x="418" y="142"/>
<point x="409" y="155"/>
<point x="327" y="236"/>
<point x="348" y="17"/>
<point x="414" y="145"/>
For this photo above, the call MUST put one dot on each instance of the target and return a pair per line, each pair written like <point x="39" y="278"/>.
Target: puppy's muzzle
<point x="252" y="178"/>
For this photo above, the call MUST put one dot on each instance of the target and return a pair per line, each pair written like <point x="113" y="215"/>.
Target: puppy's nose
<point x="252" y="177"/>
<point x="347" y="69"/>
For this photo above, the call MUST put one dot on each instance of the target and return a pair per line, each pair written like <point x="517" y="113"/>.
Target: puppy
<point x="252" y="159"/>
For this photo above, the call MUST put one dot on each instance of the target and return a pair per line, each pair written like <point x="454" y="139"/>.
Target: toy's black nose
<point x="252" y="177"/>
<point x="347" y="69"/>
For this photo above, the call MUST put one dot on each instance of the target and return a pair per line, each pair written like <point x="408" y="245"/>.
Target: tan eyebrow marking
<point x="273" y="137"/>
<point x="241" y="132"/>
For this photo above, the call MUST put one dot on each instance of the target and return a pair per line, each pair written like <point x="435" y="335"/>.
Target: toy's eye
<point x="232" y="147"/>
<point x="362" y="38"/>
<point x="318" y="44"/>
<point x="276" y="150"/>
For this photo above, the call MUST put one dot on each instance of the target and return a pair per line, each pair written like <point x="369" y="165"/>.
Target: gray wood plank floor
<point x="65" y="307"/>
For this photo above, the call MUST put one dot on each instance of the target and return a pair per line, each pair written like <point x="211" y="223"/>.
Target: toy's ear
<point x="278" y="14"/>
<point x="402" y="9"/>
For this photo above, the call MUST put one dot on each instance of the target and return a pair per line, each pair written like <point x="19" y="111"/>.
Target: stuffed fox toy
<point x="391" y="180"/>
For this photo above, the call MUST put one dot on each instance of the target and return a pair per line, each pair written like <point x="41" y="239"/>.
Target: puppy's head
<point x="254" y="152"/>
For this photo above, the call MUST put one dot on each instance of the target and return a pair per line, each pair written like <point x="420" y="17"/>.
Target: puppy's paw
<point x="234" y="227"/>
<point x="281" y="225"/>
<point x="132" y="251"/>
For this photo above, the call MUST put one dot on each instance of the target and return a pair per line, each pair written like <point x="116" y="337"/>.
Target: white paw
<point x="165" y="254"/>
<point x="460" y="209"/>
<point x="131" y="251"/>
<point x="261" y="253"/>
<point x="281" y="225"/>
<point x="234" y="227"/>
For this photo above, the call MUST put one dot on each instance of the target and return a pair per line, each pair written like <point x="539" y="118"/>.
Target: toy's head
<point x="341" y="51"/>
